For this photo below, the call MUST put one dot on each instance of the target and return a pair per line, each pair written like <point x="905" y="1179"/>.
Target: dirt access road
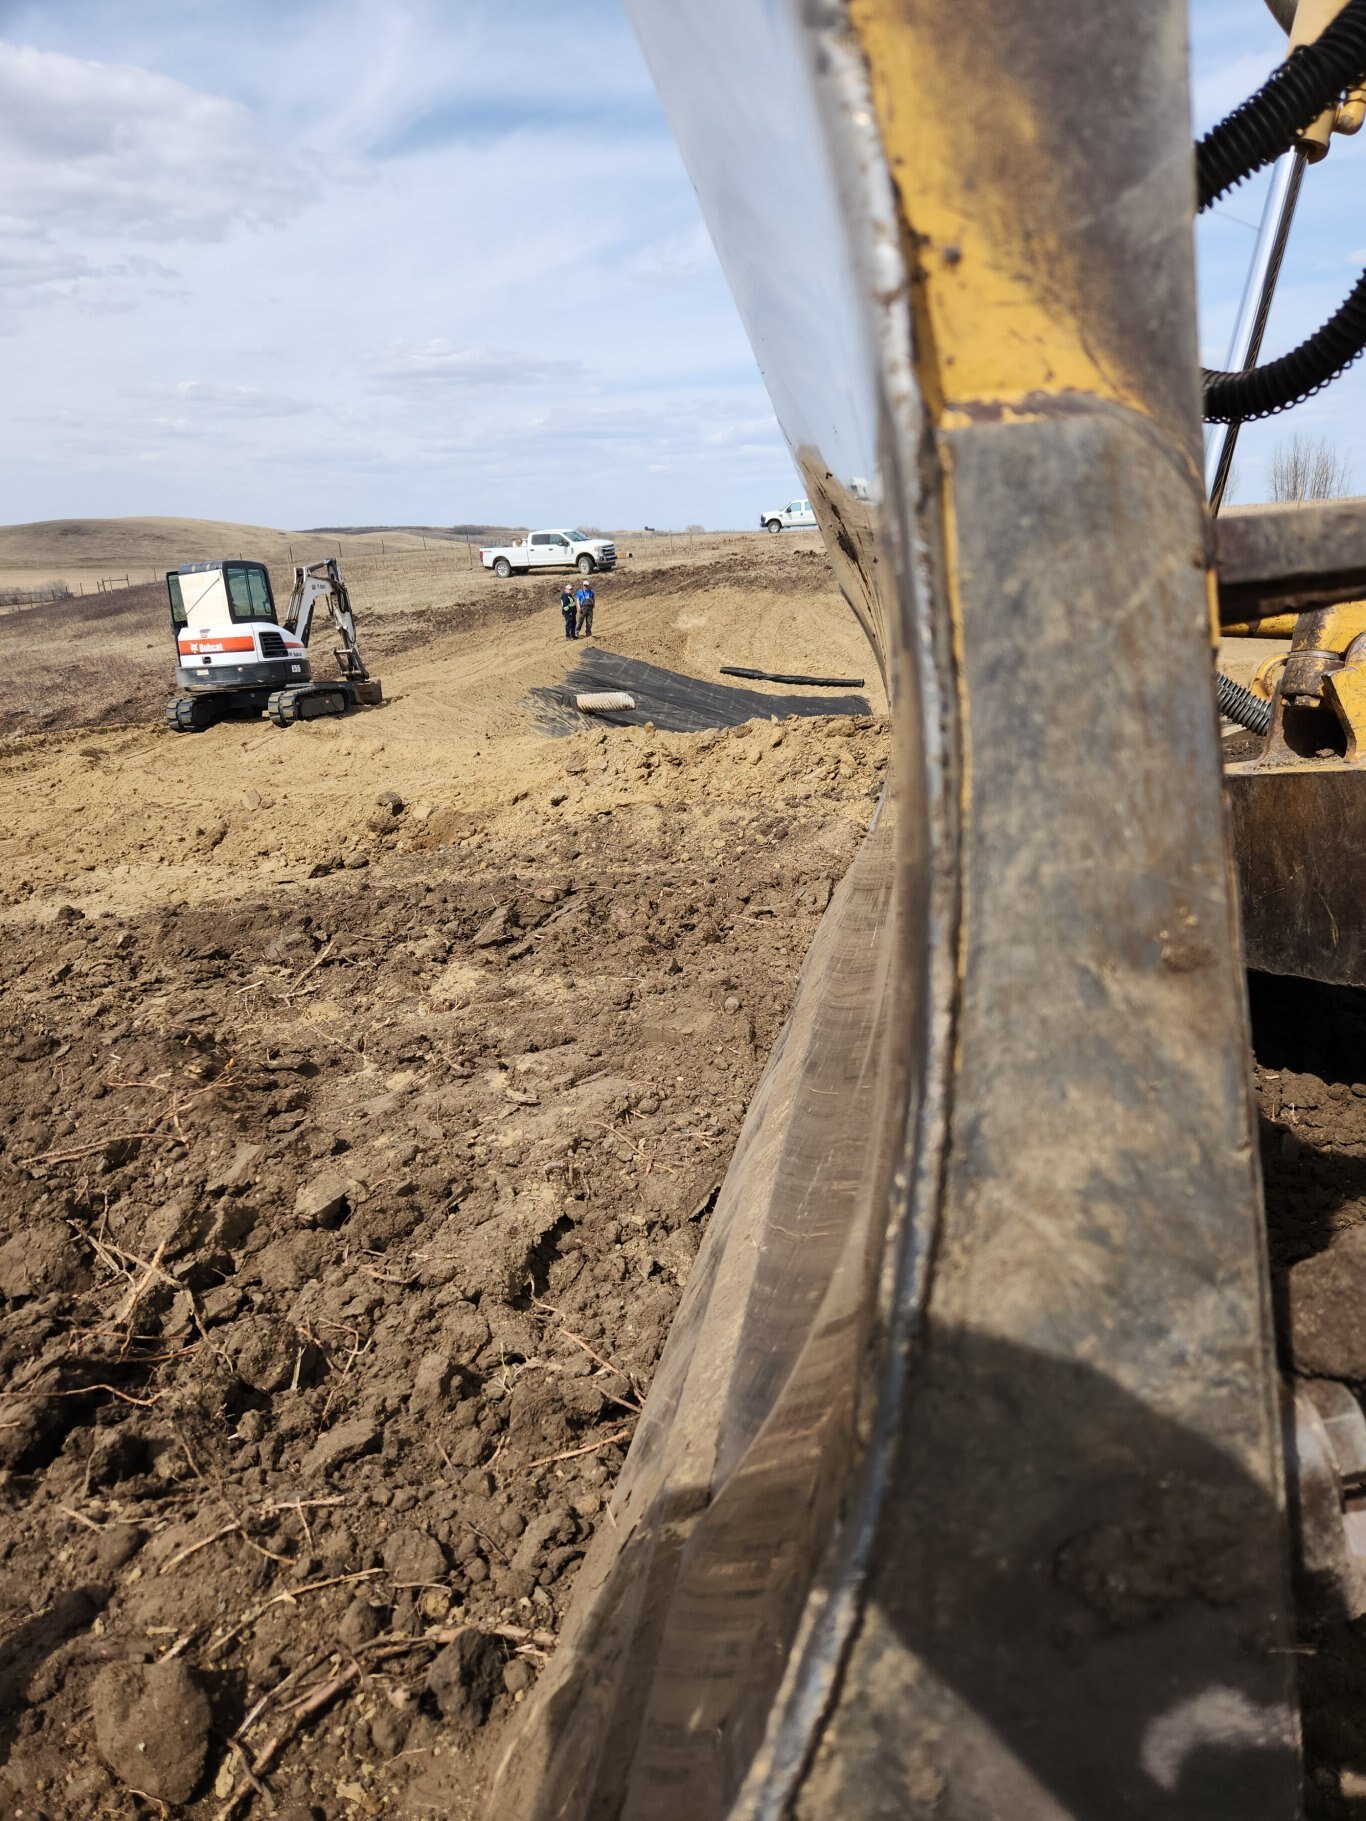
<point x="366" y="1088"/>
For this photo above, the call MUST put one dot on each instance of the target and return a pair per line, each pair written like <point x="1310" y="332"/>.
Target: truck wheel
<point x="586" y="564"/>
<point x="502" y="568"/>
<point x="773" y="524"/>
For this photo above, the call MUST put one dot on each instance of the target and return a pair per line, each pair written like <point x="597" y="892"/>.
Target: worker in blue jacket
<point x="587" y="600"/>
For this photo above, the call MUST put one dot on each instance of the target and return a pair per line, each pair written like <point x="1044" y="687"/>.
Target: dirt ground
<point x="1310" y="1044"/>
<point x="366" y="1089"/>
<point x="364" y="1092"/>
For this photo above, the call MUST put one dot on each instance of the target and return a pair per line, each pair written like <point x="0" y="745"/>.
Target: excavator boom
<point x="321" y="584"/>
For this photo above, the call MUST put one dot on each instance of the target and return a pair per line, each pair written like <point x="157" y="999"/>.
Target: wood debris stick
<point x="80" y="1518"/>
<point x="569" y="1454"/>
<point x="311" y="1701"/>
<point x="316" y="962"/>
<point x="290" y="1597"/>
<point x="138" y="1290"/>
<point x="175" y="1106"/>
<point x="183" y="1555"/>
<point x="124" y="1397"/>
<point x="88" y="1150"/>
<point x="253" y="1780"/>
<point x="619" y="1371"/>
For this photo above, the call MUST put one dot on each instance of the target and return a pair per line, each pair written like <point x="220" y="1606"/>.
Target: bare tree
<point x="1304" y="468"/>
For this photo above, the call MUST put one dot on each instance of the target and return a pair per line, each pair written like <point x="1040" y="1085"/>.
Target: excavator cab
<point x="220" y="594"/>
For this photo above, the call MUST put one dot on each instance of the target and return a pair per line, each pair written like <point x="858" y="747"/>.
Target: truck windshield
<point x="578" y="537"/>
<point x="249" y="596"/>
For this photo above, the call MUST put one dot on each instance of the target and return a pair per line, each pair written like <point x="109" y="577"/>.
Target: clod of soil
<point x="152" y="1728"/>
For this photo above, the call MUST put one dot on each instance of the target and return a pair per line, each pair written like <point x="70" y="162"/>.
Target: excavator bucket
<point x="958" y="1493"/>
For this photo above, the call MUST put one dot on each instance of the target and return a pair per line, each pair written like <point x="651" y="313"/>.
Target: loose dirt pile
<point x="366" y="1091"/>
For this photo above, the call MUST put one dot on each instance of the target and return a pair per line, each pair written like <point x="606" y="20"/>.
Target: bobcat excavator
<point x="962" y="1492"/>
<point x="236" y="657"/>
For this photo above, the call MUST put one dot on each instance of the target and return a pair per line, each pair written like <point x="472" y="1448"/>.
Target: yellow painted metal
<point x="1281" y="627"/>
<point x="1268" y="674"/>
<point x="1338" y="626"/>
<point x="1345" y="692"/>
<point x="1312" y="18"/>
<point x="1334" y="630"/>
<point x="1000" y="315"/>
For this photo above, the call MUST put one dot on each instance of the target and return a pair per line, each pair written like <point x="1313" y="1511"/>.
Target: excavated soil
<point x="366" y="1091"/>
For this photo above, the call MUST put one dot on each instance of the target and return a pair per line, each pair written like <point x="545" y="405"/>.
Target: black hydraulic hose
<point x="1240" y="705"/>
<point x="1312" y="78"/>
<point x="1262" y="391"/>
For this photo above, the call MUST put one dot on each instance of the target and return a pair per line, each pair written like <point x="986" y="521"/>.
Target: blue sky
<point x="351" y="261"/>
<point x="1234" y="44"/>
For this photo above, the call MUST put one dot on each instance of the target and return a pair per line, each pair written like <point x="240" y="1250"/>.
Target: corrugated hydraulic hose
<point x="1312" y="78"/>
<point x="1263" y="391"/>
<point x="1240" y="705"/>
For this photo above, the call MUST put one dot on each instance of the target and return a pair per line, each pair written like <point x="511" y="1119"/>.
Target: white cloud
<point x="104" y="148"/>
<point x="208" y="400"/>
<point x="439" y="364"/>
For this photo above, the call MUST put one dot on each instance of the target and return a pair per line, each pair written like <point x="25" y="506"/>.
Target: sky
<point x="304" y="262"/>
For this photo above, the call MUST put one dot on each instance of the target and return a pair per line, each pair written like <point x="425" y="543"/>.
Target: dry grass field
<point x="393" y="567"/>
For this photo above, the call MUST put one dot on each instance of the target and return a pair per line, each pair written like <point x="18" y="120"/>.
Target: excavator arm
<point x="318" y="584"/>
<point x="321" y="585"/>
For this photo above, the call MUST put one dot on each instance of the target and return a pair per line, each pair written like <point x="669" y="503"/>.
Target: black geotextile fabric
<point x="672" y="702"/>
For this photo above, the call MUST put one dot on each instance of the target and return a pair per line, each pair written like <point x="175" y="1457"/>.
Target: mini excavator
<point x="236" y="657"/>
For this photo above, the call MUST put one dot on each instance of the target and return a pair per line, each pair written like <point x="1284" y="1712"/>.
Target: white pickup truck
<point x="795" y="516"/>
<point x="551" y="550"/>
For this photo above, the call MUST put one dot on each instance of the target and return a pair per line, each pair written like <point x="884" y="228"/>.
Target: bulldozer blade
<point x="1298" y="835"/>
<point x="958" y="1493"/>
